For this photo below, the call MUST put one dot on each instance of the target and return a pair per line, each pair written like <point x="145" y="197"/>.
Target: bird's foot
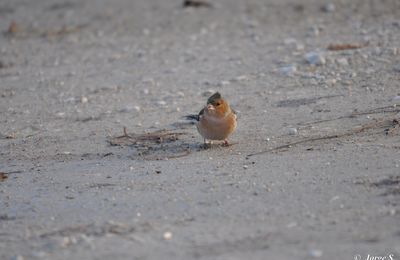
<point x="226" y="143"/>
<point x="206" y="145"/>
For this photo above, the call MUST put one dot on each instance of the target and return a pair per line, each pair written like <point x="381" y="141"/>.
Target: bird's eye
<point x="218" y="104"/>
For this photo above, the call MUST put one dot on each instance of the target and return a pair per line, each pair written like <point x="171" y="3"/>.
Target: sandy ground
<point x="73" y="74"/>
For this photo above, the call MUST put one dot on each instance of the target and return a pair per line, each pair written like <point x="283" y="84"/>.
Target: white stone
<point x="84" y="99"/>
<point x="167" y="235"/>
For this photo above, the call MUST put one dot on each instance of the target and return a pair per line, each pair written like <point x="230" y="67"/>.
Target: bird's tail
<point x="192" y="117"/>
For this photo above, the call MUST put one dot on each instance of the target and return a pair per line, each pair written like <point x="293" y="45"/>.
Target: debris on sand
<point x="345" y="46"/>
<point x="196" y="3"/>
<point x="157" y="145"/>
<point x="3" y="176"/>
<point x="157" y="137"/>
<point x="13" y="28"/>
<point x="387" y="125"/>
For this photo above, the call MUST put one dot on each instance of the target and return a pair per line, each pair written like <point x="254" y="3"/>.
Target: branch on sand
<point x="391" y="126"/>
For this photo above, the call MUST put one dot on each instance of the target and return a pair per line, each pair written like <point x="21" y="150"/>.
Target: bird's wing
<point x="196" y="117"/>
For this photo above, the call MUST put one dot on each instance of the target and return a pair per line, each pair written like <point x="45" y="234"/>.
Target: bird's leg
<point x="205" y="144"/>
<point x="226" y="143"/>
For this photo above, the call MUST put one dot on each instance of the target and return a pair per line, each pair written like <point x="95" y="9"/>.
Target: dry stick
<point x="373" y="111"/>
<point x="356" y="130"/>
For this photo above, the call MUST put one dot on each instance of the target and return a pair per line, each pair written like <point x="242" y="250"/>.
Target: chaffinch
<point x="216" y="121"/>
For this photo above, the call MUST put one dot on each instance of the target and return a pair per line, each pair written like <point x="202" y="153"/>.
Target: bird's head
<point x="216" y="105"/>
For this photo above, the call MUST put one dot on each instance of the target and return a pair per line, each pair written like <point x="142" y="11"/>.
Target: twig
<point x="356" y="130"/>
<point x="345" y="46"/>
<point x="355" y="114"/>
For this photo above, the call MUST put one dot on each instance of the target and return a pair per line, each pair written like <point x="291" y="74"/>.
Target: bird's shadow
<point x="162" y="144"/>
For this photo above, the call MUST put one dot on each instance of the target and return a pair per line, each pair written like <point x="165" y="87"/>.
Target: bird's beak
<point x="210" y="107"/>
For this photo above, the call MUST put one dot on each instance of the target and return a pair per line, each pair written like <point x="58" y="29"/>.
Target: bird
<point x="216" y="121"/>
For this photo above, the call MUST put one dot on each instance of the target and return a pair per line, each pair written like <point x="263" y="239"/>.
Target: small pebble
<point x="315" y="58"/>
<point x="397" y="67"/>
<point x="331" y="82"/>
<point x="288" y="70"/>
<point x="167" y="235"/>
<point x="245" y="167"/>
<point x="161" y="103"/>
<point x="292" y="131"/>
<point x="342" y="61"/>
<point x="313" y="31"/>
<point x="60" y="114"/>
<point x="241" y="78"/>
<point x="291" y="224"/>
<point x="84" y="100"/>
<point x="316" y="253"/>
<point x="293" y="44"/>
<point x="329" y="8"/>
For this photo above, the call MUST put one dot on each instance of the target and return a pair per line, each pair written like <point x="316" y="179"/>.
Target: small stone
<point x="128" y="109"/>
<point x="315" y="58"/>
<point x="65" y="242"/>
<point x="84" y="99"/>
<point x="291" y="224"/>
<point x="292" y="131"/>
<point x="288" y="70"/>
<point x="397" y="67"/>
<point x="245" y="167"/>
<point x="241" y="78"/>
<point x="167" y="235"/>
<point x="60" y="114"/>
<point x="161" y="103"/>
<point x="342" y="61"/>
<point x="328" y="8"/>
<point x="331" y="82"/>
<point x="316" y="253"/>
<point x="224" y="83"/>
<point x="293" y="44"/>
<point x="180" y="94"/>
<point x="313" y="31"/>
<point x="377" y="51"/>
